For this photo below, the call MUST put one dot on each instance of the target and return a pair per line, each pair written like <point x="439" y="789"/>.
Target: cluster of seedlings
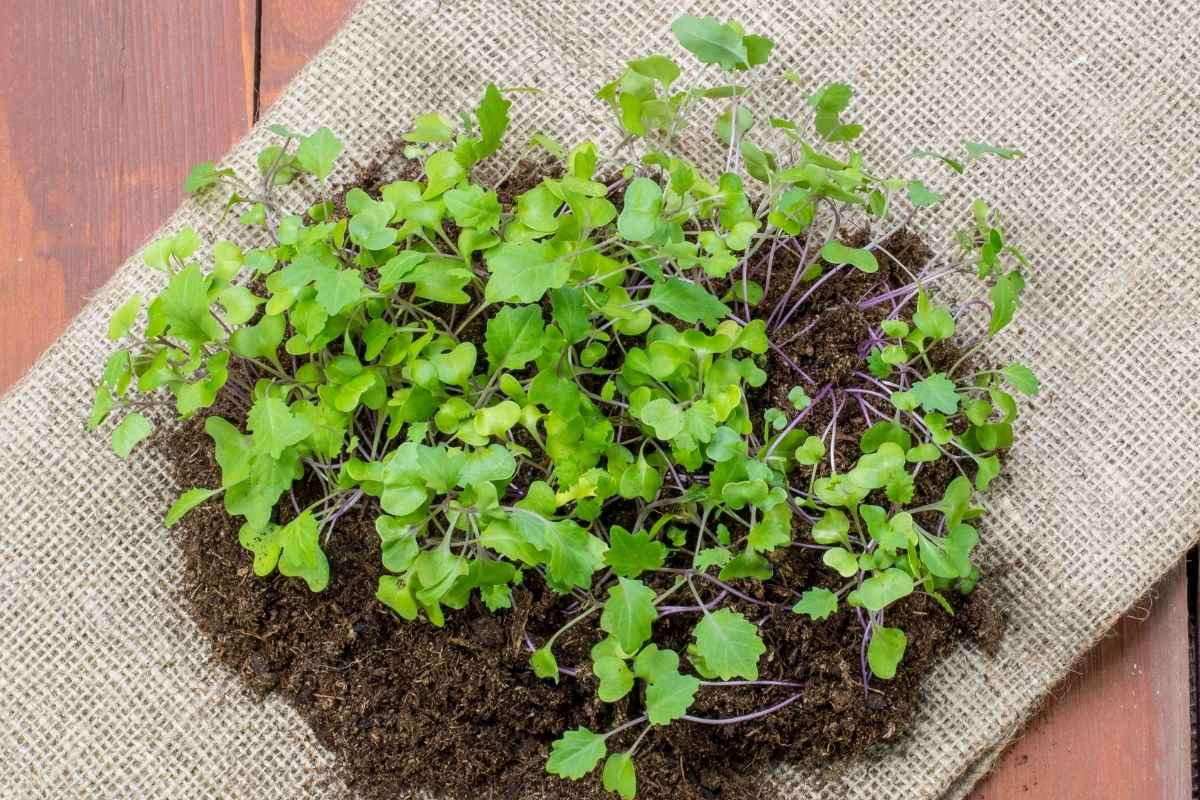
<point x="560" y="388"/>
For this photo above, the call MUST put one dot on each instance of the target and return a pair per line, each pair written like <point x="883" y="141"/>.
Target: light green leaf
<point x="1021" y="378"/>
<point x="302" y="556"/>
<point x="664" y="416"/>
<point x="514" y="337"/>
<point x="444" y="172"/>
<point x="640" y="210"/>
<point x="122" y="320"/>
<point x="615" y="678"/>
<point x="492" y="114"/>
<point x="727" y="645"/>
<point x="710" y="41"/>
<point x="317" y="153"/>
<point x="817" y="603"/>
<point x="880" y="591"/>
<point x="629" y="613"/>
<point x="859" y="258"/>
<point x="275" y="427"/>
<point x="472" y="207"/>
<point x="689" y="302"/>
<point x="131" y="430"/>
<point x="936" y="393"/>
<point x="545" y="665"/>
<point x="186" y="502"/>
<point x="885" y="651"/>
<point x="620" y="775"/>
<point x="842" y="560"/>
<point x="669" y="696"/>
<point x="576" y="753"/>
<point x="523" y="271"/>
<point x="631" y="554"/>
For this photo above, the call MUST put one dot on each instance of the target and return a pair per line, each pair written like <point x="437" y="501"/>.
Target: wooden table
<point x="104" y="105"/>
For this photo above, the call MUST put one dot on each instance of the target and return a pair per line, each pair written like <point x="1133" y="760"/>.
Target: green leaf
<point x="885" y="651"/>
<point x="492" y="114"/>
<point x="841" y="560"/>
<point x="472" y="207"/>
<point x="202" y="176"/>
<point x="576" y="753"/>
<point x="1005" y="296"/>
<point x="1021" y="378"/>
<point x="615" y="678"/>
<point x="631" y="554"/>
<point x="727" y="645"/>
<point x="338" y="289"/>
<point x="184" y="305"/>
<point x="317" y="153"/>
<point x="710" y="41"/>
<point x="514" y="337"/>
<point x="620" y="776"/>
<point x="545" y="665"/>
<point x="302" y="556"/>
<point x="639" y="213"/>
<point x="977" y="150"/>
<point x="652" y="663"/>
<point x="122" y="320"/>
<point x="880" y="591"/>
<point x="936" y="393"/>
<point x="397" y="596"/>
<point x="496" y="420"/>
<point x="431" y="127"/>
<point x="275" y="427"/>
<point x="817" y="603"/>
<point x="921" y="196"/>
<point x="664" y="416"/>
<point x="669" y="696"/>
<point x="186" y="502"/>
<point x="689" y="302"/>
<point x="398" y="543"/>
<point x="859" y="258"/>
<point x="934" y="321"/>
<point x="660" y="68"/>
<point x="523" y="271"/>
<point x="570" y="313"/>
<point x="629" y="613"/>
<point x="773" y="530"/>
<point x="133" y="429"/>
<point x="444" y="172"/>
<point x="640" y="480"/>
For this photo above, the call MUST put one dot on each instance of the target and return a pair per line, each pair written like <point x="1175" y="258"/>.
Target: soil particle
<point x="457" y="711"/>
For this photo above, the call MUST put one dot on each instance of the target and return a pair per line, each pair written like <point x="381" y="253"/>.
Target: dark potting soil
<point x="458" y="711"/>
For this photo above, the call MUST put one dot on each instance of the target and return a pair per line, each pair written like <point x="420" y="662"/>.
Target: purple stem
<point x="564" y="670"/>
<point x="796" y="421"/>
<point x="787" y="360"/>
<point x="816" y="284"/>
<point x="744" y="717"/>
<point x="710" y="605"/>
<point x="790" y="684"/>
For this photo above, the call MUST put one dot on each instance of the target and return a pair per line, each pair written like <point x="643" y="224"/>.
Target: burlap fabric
<point x="105" y="688"/>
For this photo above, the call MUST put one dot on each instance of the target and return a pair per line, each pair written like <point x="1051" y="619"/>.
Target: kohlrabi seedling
<point x="499" y="375"/>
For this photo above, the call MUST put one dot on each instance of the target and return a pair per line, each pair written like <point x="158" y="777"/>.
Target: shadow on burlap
<point x="105" y="687"/>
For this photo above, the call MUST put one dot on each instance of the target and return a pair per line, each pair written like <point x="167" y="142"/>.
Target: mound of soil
<point x="408" y="707"/>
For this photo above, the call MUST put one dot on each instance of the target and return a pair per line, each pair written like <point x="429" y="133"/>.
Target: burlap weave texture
<point x="105" y="688"/>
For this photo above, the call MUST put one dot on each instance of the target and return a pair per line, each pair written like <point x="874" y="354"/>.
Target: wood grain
<point x="104" y="106"/>
<point x="1121" y="729"/>
<point x="290" y="35"/>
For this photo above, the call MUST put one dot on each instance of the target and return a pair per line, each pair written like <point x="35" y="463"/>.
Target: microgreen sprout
<point x="620" y="332"/>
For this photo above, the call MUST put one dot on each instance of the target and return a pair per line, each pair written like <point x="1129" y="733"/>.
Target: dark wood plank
<point x="1121" y="729"/>
<point x="104" y="106"/>
<point x="291" y="34"/>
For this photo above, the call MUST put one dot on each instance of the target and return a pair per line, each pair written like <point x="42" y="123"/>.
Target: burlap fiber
<point x="105" y="686"/>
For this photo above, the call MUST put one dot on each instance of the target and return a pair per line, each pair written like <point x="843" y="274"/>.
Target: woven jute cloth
<point x="106" y="689"/>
